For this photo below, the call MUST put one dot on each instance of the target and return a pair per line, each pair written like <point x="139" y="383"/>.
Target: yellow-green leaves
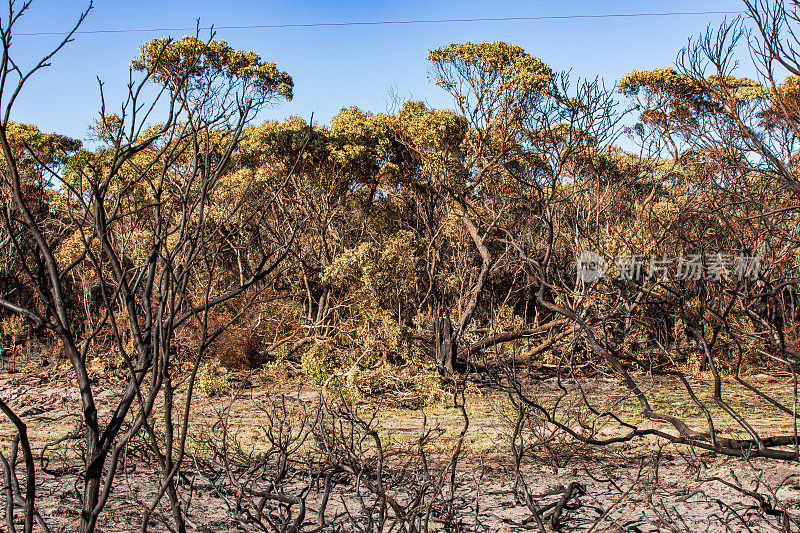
<point x="434" y="138"/>
<point x="666" y="80"/>
<point x="738" y="88"/>
<point x="496" y="87"/>
<point x="785" y="104"/>
<point x="665" y="95"/>
<point x="176" y="62"/>
<point x="355" y="145"/>
<point x="37" y="155"/>
<point x="679" y="85"/>
<point x="423" y="128"/>
<point x="359" y="136"/>
<point x="49" y="148"/>
<point x="514" y="68"/>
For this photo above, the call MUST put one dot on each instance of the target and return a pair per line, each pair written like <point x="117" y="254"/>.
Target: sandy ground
<point x="638" y="486"/>
<point x="618" y="497"/>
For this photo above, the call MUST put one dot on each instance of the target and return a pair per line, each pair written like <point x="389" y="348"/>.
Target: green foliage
<point x="683" y="86"/>
<point x="427" y="131"/>
<point x="359" y="139"/>
<point x="410" y="388"/>
<point x="506" y="64"/>
<point x="666" y="80"/>
<point x="192" y="60"/>
<point x="211" y="381"/>
<point x="36" y="147"/>
<point x="667" y="96"/>
<point x="86" y="168"/>
<point x="319" y="362"/>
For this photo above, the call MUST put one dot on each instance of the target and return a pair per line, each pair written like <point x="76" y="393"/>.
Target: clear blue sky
<point x="342" y="66"/>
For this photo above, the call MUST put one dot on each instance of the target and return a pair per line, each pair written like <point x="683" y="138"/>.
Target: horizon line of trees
<point x="429" y="232"/>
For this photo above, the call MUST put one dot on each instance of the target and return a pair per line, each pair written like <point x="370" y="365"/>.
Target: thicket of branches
<point x="415" y="244"/>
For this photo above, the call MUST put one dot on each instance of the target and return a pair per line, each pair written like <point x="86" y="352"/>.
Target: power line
<point x="392" y="22"/>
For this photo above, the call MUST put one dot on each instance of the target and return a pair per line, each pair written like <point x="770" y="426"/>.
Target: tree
<point x="713" y="180"/>
<point x="147" y="213"/>
<point x="494" y="85"/>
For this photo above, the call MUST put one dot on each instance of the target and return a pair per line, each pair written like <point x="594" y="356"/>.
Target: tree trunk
<point x="445" y="344"/>
<point x="322" y="307"/>
<point x="91" y="490"/>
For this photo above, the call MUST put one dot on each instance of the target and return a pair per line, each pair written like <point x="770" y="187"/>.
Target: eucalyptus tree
<point x="492" y="85"/>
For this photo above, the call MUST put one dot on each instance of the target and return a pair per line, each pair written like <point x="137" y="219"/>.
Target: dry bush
<point x="239" y="349"/>
<point x="236" y="347"/>
<point x="392" y="486"/>
<point x="265" y="487"/>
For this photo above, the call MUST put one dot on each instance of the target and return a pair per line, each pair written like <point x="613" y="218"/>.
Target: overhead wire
<point x="386" y="22"/>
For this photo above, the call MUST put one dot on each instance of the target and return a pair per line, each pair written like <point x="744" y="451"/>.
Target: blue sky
<point x="335" y="67"/>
